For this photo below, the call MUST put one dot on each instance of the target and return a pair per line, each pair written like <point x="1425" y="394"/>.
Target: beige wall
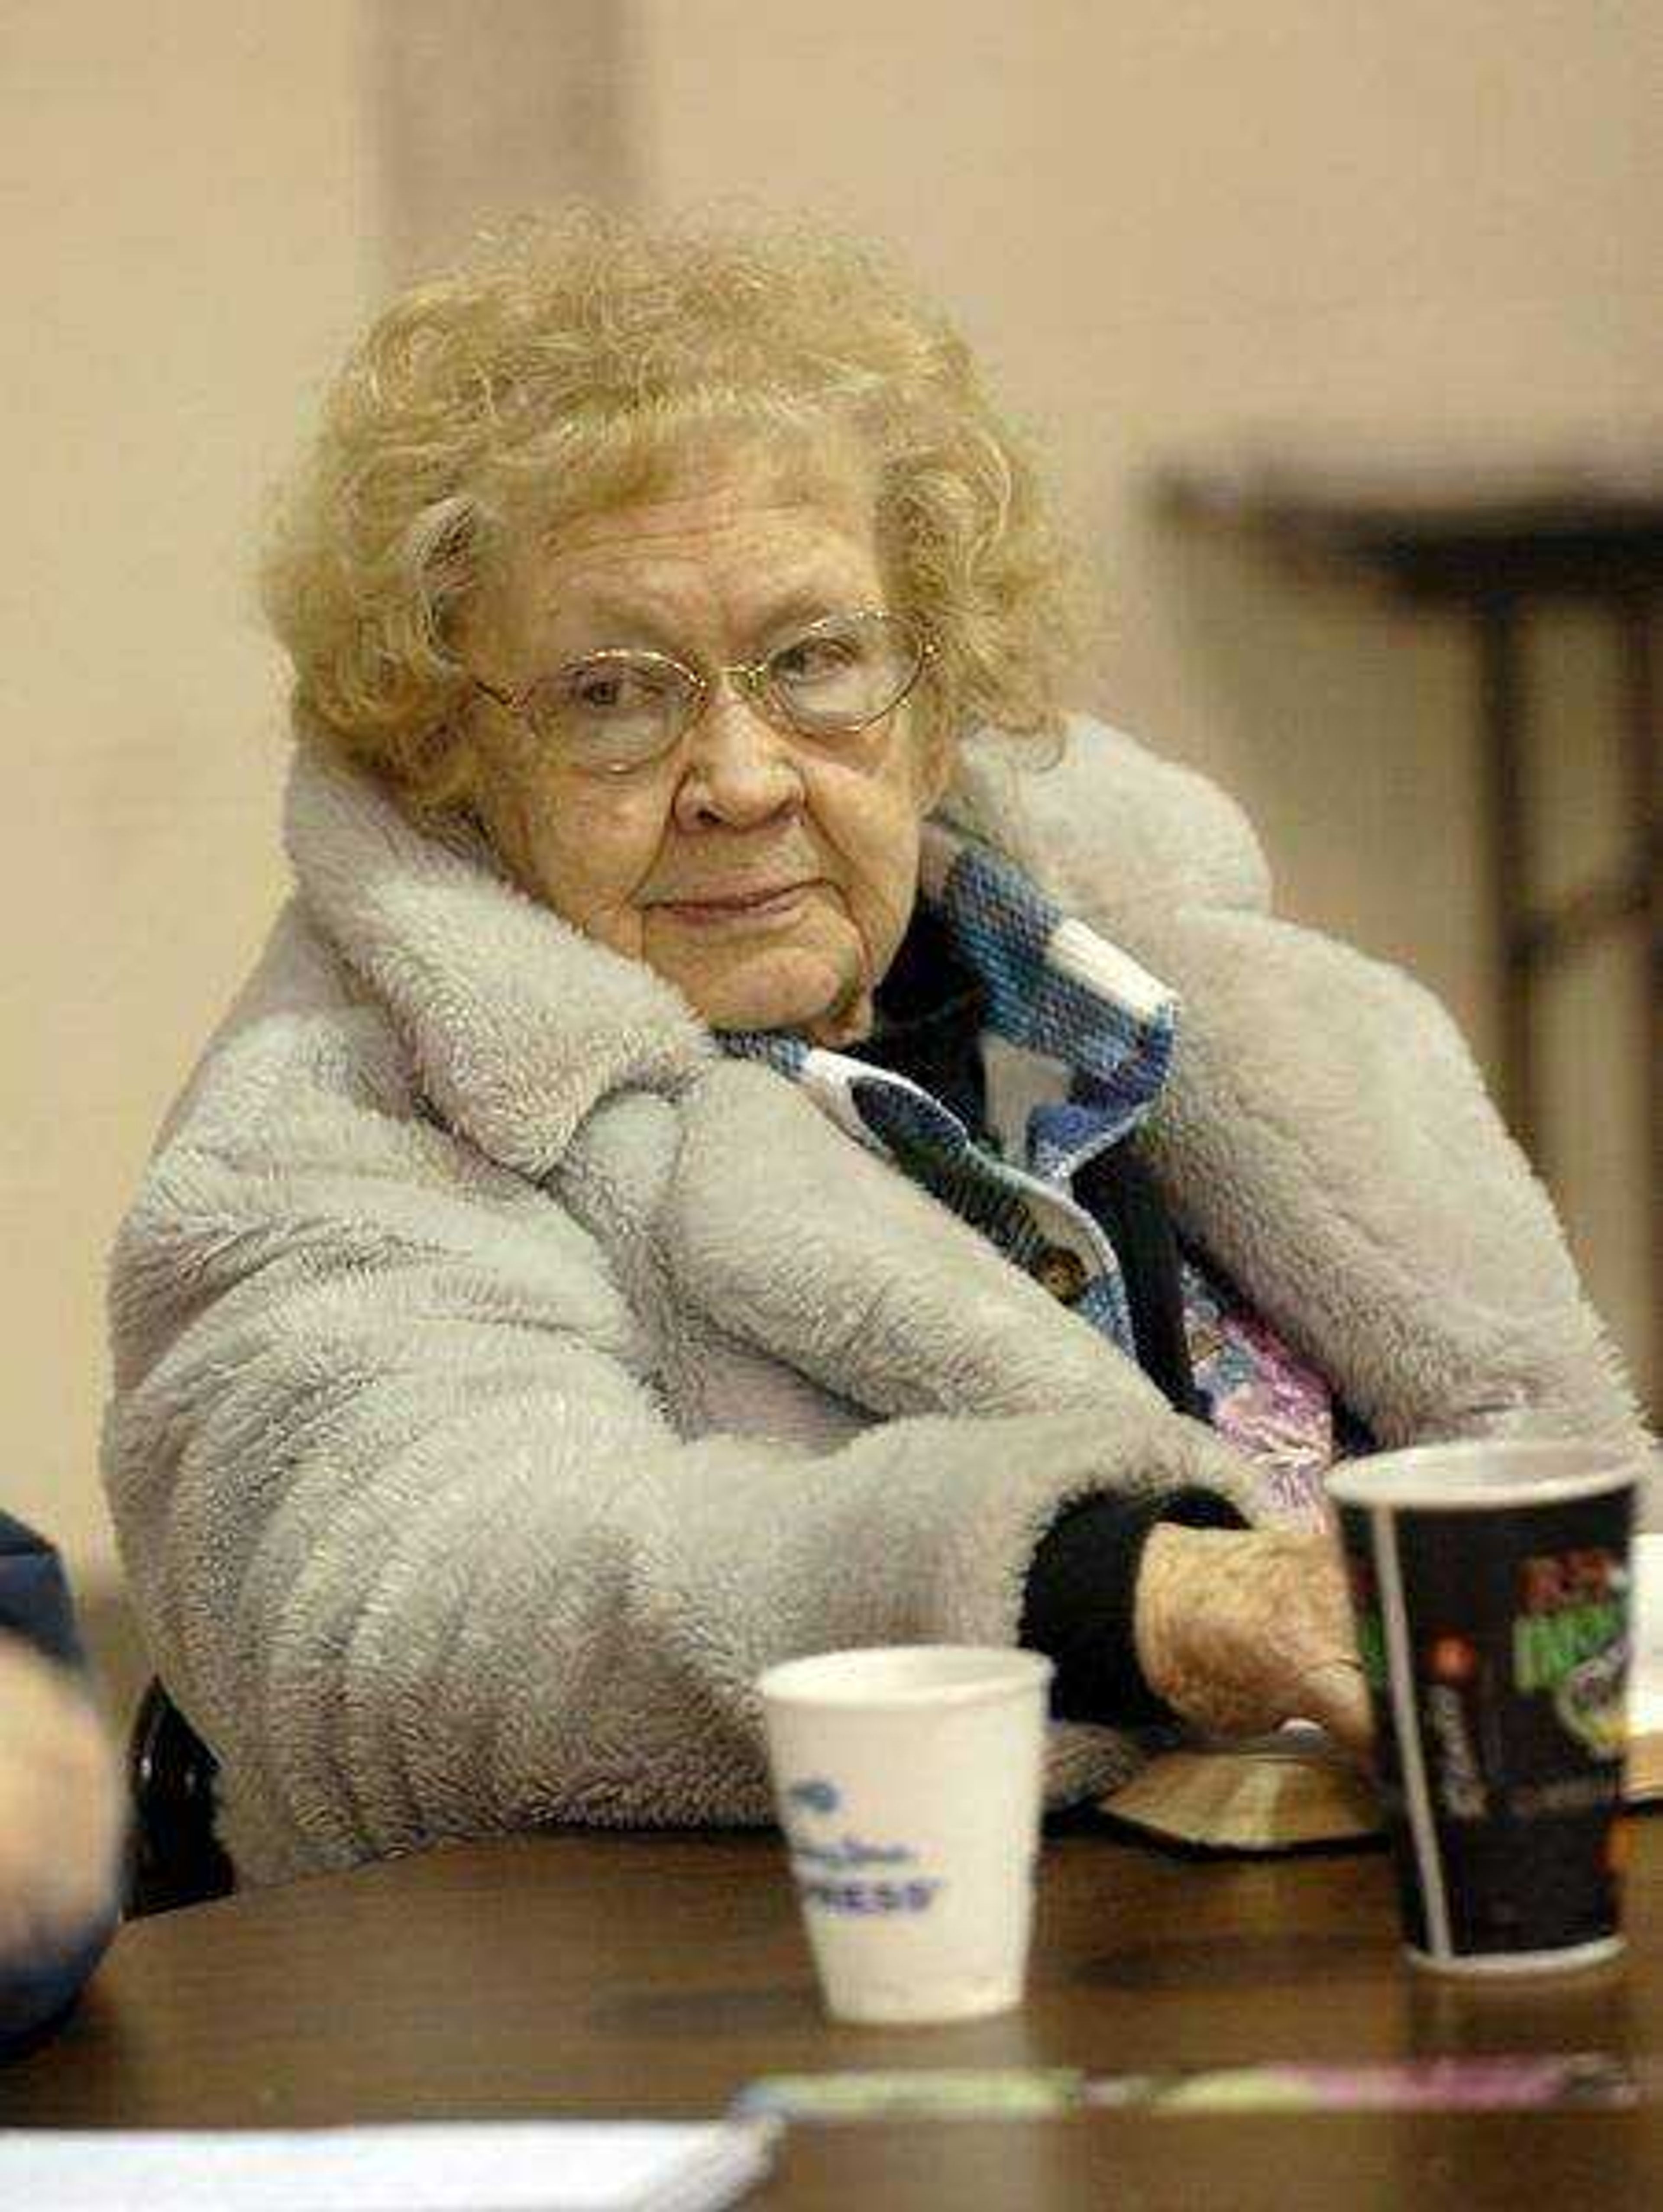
<point x="1160" y="220"/>
<point x="185" y="224"/>
<point x="473" y="109"/>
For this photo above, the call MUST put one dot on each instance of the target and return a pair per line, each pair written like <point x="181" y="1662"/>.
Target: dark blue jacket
<point x="36" y="1990"/>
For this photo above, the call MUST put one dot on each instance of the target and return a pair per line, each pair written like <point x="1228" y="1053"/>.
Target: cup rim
<point x="948" y="1674"/>
<point x="1479" y="1474"/>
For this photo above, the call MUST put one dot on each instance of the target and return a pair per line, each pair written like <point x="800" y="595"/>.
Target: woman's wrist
<point x="1079" y="1601"/>
<point x="1180" y="1665"/>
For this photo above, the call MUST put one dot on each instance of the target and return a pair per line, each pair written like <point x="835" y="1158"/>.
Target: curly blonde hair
<point x="558" y="372"/>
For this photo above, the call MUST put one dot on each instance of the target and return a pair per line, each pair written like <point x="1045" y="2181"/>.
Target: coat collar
<point x="519" y="1025"/>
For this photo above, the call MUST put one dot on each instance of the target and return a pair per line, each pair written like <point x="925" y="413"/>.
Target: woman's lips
<point x="750" y="907"/>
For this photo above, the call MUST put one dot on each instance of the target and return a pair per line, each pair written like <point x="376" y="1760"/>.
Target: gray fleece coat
<point x="505" y="1376"/>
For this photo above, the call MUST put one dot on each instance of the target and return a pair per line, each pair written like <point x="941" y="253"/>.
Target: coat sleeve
<point x="416" y="1545"/>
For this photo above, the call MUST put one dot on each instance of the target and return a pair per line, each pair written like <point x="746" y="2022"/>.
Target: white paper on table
<point x="514" y="2166"/>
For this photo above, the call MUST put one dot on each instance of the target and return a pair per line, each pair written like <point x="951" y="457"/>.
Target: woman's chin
<point x="788" y="987"/>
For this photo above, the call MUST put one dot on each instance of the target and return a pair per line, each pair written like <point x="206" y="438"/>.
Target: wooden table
<point x="585" y="1973"/>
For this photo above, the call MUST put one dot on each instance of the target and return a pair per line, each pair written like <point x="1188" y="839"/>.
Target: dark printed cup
<point x="1491" y="1591"/>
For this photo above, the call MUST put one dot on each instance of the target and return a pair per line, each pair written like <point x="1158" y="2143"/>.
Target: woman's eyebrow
<point x="623" y="619"/>
<point x="606" y="611"/>
<point x="806" y="603"/>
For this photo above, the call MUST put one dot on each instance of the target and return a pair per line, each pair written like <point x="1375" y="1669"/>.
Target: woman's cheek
<point x="884" y="893"/>
<point x="591" y="880"/>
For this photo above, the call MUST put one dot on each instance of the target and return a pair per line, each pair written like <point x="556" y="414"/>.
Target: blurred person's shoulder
<point x="61" y="1809"/>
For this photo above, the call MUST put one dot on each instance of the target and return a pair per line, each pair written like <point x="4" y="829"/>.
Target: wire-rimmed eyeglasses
<point x="625" y="707"/>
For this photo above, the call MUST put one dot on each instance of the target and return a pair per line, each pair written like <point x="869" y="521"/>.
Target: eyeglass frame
<point x="751" y="680"/>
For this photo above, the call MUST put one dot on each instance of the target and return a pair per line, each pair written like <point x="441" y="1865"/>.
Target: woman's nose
<point x="738" y="771"/>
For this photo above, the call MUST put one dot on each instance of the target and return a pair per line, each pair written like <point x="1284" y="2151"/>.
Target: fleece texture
<point x="504" y="1375"/>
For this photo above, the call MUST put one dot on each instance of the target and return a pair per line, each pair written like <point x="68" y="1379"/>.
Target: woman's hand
<point x="1239" y="1630"/>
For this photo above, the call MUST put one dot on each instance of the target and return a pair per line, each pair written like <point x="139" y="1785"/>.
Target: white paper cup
<point x="908" y="1785"/>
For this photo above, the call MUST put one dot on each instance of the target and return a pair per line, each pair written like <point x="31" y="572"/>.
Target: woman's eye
<point x="611" y="691"/>
<point x="815" y="656"/>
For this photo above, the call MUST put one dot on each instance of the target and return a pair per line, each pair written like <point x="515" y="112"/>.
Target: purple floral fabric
<point x="1271" y="1405"/>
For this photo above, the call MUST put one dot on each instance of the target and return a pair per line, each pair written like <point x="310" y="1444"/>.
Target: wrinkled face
<point x="768" y="874"/>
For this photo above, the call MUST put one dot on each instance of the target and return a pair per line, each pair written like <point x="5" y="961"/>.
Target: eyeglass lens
<point x="617" y="708"/>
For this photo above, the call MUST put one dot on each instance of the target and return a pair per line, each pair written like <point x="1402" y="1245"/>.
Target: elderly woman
<point x="715" y="1161"/>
